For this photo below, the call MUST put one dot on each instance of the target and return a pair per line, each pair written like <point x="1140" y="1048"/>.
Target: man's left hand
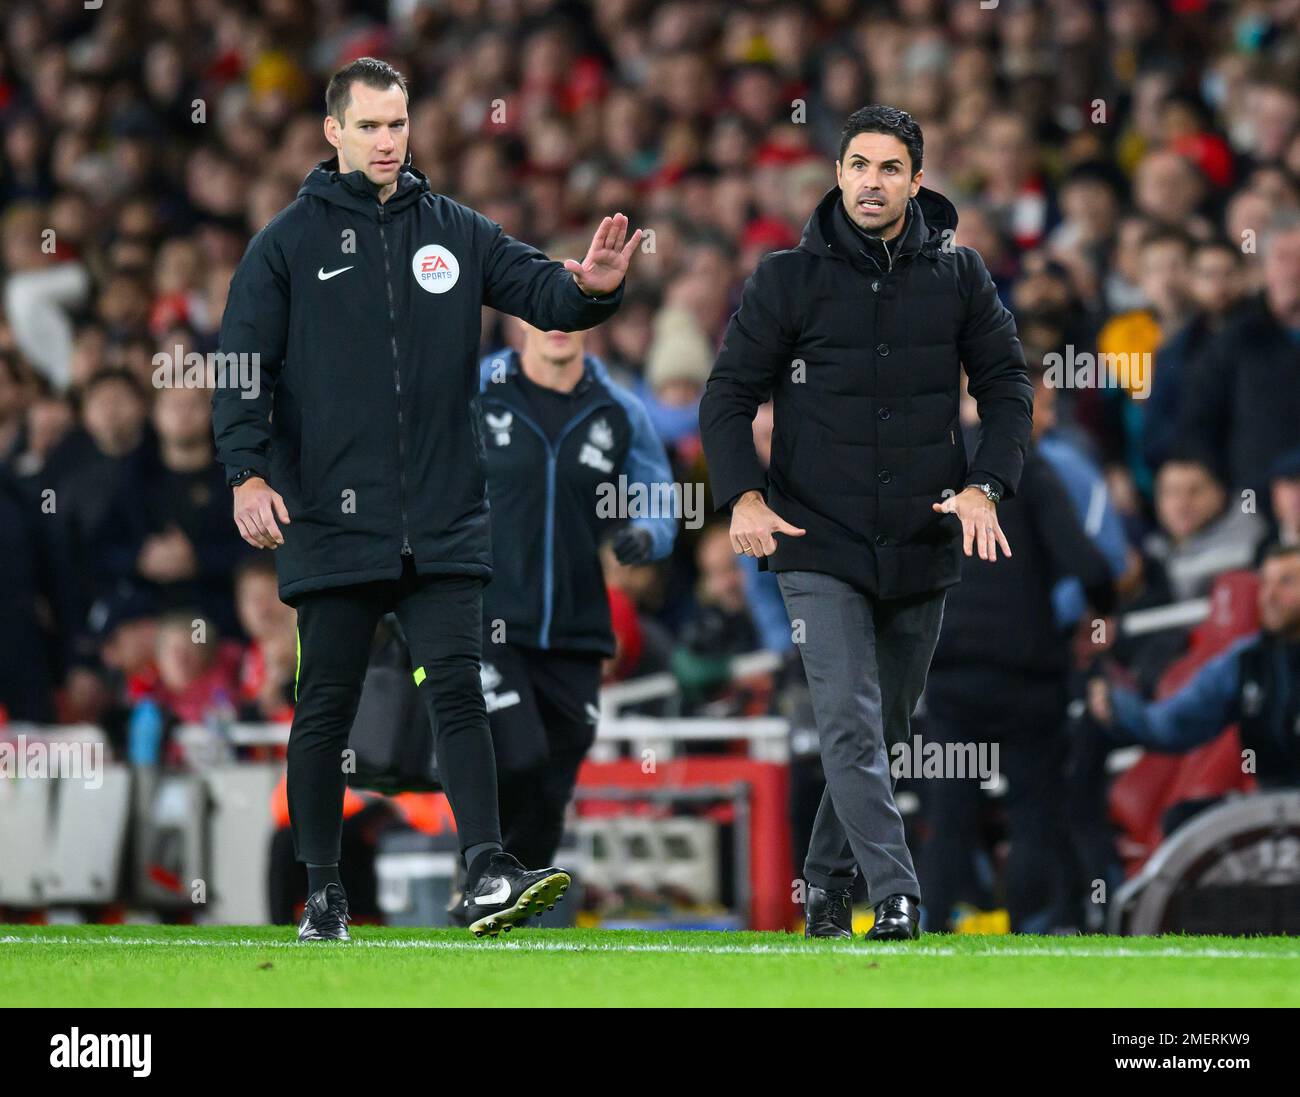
<point x="632" y="545"/>
<point x="607" y="259"/>
<point x="979" y="522"/>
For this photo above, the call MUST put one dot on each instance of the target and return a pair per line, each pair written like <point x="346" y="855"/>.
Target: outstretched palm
<point x="607" y="258"/>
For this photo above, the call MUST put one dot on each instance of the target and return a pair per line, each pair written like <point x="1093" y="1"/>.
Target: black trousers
<point x="441" y="616"/>
<point x="1026" y="717"/>
<point x="543" y="709"/>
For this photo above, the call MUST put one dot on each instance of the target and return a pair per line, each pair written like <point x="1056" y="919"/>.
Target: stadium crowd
<point x="1130" y="172"/>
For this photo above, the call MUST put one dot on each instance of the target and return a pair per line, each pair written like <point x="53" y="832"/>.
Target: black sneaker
<point x="828" y="913"/>
<point x="325" y="917"/>
<point x="897" y="919"/>
<point x="507" y="893"/>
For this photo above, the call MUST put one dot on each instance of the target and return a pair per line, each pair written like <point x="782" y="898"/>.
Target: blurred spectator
<point x="1133" y="339"/>
<point x="1091" y="202"/>
<point x="1216" y="289"/>
<point x="125" y="624"/>
<point x="722" y="626"/>
<point x="268" y="671"/>
<point x="676" y="369"/>
<point x="49" y="418"/>
<point x="1243" y="400"/>
<point x="86" y="468"/>
<point x="43" y="285"/>
<point x="1250" y="685"/>
<point x="29" y="659"/>
<point x="1086" y="487"/>
<point x="1202" y="531"/>
<point x="169" y="524"/>
<point x="198" y="672"/>
<point x="1284" y="495"/>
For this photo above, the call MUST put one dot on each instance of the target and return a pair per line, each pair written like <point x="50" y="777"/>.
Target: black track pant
<point x="1026" y="717"/>
<point x="442" y="618"/>
<point x="543" y="718"/>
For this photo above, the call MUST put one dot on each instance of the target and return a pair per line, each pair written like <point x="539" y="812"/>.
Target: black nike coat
<point x="862" y="354"/>
<point x="365" y="318"/>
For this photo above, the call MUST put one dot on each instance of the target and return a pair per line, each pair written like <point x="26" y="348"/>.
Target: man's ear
<point x="837" y="173"/>
<point x="916" y="182"/>
<point x="331" y="127"/>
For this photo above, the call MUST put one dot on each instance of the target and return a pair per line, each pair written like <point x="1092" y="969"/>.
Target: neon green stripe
<point x="419" y="675"/>
<point x="297" y="666"/>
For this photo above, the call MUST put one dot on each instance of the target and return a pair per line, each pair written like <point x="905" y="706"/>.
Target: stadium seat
<point x="1143" y="793"/>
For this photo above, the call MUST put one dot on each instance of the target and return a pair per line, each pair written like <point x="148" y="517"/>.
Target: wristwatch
<point x="239" y="477"/>
<point x="994" y="496"/>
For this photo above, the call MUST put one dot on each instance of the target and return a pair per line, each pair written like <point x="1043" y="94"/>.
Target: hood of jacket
<point x="352" y="190"/>
<point x="929" y="215"/>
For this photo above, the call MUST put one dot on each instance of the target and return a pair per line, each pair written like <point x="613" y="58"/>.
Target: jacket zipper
<point x="397" y="385"/>
<point x="548" y="546"/>
<point x="876" y="262"/>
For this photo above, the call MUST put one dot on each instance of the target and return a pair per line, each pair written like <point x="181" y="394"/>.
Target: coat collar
<point x="929" y="215"/>
<point x="593" y="370"/>
<point x="354" y="191"/>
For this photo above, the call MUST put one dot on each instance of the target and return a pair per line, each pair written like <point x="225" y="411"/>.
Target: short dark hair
<point x="1218" y="243"/>
<point x="113" y="375"/>
<point x="372" y="72"/>
<point x="879" y="118"/>
<point x="1193" y="453"/>
<point x="1167" y="234"/>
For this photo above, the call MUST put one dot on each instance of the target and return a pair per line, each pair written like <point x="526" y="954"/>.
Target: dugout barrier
<point x="1233" y="869"/>
<point x="63" y="846"/>
<point x="174" y="842"/>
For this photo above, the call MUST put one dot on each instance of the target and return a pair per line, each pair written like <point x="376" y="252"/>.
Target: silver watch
<point x="994" y="496"/>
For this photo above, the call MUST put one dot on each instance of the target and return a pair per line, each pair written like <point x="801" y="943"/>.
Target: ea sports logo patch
<point x="435" y="268"/>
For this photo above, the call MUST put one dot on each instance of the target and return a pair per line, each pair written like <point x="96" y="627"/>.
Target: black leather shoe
<point x="898" y="918"/>
<point x="828" y="913"/>
<point x="325" y="917"/>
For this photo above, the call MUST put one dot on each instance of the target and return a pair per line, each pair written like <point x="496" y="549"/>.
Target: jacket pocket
<point x="958" y="463"/>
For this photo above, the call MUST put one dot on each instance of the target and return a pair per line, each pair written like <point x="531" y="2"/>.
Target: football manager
<point x="360" y="461"/>
<point x="859" y="335"/>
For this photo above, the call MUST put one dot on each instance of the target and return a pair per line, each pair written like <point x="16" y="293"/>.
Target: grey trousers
<point x="866" y="661"/>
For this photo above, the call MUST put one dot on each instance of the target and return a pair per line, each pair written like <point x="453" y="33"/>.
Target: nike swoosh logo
<point x="498" y="894"/>
<point x="326" y="277"/>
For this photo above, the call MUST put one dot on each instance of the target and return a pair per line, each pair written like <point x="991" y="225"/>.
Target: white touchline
<point x="516" y="945"/>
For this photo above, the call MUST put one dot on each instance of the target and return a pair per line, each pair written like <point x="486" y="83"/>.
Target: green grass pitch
<point x="265" y="966"/>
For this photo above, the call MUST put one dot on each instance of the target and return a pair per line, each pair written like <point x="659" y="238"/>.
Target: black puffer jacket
<point x="862" y="355"/>
<point x="366" y="318"/>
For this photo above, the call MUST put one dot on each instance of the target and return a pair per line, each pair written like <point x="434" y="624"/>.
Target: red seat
<point x="1141" y="795"/>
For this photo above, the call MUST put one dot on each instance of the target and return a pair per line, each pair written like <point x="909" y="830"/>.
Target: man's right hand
<point x="256" y="509"/>
<point x="753" y="523"/>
